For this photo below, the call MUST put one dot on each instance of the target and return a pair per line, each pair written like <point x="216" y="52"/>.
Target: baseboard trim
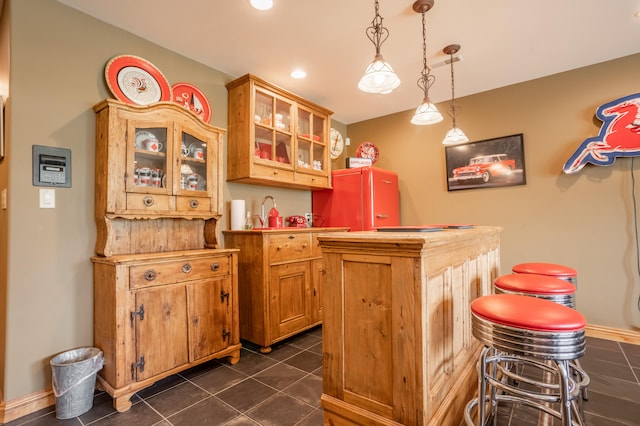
<point x="616" y="334"/>
<point x="21" y="407"/>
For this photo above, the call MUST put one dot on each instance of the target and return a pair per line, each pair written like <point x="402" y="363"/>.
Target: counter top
<point x="284" y="230"/>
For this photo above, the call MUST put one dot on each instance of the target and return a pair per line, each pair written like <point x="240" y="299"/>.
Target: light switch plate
<point x="47" y="198"/>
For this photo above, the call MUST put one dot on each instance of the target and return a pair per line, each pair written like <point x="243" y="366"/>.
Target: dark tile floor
<point x="284" y="387"/>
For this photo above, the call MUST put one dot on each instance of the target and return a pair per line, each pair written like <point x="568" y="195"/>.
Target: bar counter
<point x="397" y="343"/>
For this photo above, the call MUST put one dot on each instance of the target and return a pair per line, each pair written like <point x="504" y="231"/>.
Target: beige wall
<point x="583" y="220"/>
<point x="57" y="63"/>
<point x="57" y="75"/>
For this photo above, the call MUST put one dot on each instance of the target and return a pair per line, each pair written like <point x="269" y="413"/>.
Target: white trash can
<point x="74" y="380"/>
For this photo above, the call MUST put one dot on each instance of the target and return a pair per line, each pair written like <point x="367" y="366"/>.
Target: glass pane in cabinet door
<point x="318" y="157"/>
<point x="263" y="143"/>
<point x="283" y="148"/>
<point x="263" y="109"/>
<point x="304" y="124"/>
<point x="304" y="154"/>
<point x="282" y="116"/>
<point x="150" y="159"/>
<point x="193" y="164"/>
<point x="318" y="128"/>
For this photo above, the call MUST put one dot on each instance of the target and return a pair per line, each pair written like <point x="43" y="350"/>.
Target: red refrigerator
<point x="362" y="198"/>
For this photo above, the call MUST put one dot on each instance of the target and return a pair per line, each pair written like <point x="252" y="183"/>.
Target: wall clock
<point x="368" y="150"/>
<point x="337" y="143"/>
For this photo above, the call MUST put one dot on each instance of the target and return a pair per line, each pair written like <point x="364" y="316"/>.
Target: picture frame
<point x="488" y="163"/>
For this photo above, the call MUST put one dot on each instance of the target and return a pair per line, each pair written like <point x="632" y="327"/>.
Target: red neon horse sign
<point x="619" y="135"/>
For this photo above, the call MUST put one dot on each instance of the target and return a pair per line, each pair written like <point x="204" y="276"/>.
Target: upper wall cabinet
<point x="156" y="162"/>
<point x="275" y="137"/>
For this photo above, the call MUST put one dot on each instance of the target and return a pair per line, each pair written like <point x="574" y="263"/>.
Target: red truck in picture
<point x="485" y="168"/>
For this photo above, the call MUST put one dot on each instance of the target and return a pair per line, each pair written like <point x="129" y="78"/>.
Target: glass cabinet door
<point x="193" y="164"/>
<point x="272" y="128"/>
<point x="147" y="165"/>
<point x="311" y="141"/>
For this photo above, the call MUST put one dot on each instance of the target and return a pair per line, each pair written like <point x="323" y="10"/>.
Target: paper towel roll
<point x="237" y="214"/>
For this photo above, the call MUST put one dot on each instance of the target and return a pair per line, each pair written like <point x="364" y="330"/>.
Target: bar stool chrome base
<point x="549" y="281"/>
<point x="525" y="331"/>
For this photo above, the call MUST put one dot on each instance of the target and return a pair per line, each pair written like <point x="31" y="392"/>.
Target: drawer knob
<point x="215" y="267"/>
<point x="150" y="275"/>
<point x="147" y="201"/>
<point x="193" y="204"/>
<point x="186" y="268"/>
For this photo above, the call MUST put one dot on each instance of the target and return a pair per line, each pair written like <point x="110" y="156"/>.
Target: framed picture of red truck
<point x="486" y="164"/>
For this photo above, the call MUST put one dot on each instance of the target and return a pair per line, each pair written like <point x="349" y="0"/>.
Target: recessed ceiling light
<point x="262" y="4"/>
<point x="298" y="74"/>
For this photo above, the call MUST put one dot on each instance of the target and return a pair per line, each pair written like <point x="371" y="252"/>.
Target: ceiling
<point x="502" y="42"/>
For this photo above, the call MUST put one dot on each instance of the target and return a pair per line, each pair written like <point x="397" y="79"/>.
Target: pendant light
<point x="379" y="76"/>
<point x="426" y="113"/>
<point x="455" y="135"/>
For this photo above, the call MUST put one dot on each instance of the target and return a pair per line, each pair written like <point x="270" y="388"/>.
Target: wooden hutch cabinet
<point x="275" y="137"/>
<point x="165" y="295"/>
<point x="280" y="288"/>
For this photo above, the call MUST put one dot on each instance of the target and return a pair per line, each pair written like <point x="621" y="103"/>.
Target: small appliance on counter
<point x="296" y="221"/>
<point x="363" y="199"/>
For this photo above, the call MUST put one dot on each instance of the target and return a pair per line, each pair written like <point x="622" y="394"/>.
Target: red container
<point x="362" y="198"/>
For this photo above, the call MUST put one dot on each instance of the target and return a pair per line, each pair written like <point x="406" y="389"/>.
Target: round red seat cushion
<point x="528" y="313"/>
<point x="534" y="284"/>
<point x="541" y="268"/>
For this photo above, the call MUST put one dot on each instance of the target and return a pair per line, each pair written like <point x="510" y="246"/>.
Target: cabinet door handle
<point x="304" y="246"/>
<point x="225" y="334"/>
<point x="224" y="295"/>
<point x="150" y="275"/>
<point x="279" y="248"/>
<point x="193" y="204"/>
<point x="215" y="267"/>
<point x="147" y="201"/>
<point x="186" y="268"/>
<point x="382" y="216"/>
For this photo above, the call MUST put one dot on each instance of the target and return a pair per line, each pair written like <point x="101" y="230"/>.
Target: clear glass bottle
<point x="248" y="222"/>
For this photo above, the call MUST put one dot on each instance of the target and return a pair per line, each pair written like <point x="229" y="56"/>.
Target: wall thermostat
<point x="51" y="166"/>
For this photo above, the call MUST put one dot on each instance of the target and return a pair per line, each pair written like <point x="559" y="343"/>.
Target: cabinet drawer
<point x="193" y="204"/>
<point x="289" y="246"/>
<point x="151" y="202"/>
<point x="312" y="180"/>
<point x="153" y="274"/>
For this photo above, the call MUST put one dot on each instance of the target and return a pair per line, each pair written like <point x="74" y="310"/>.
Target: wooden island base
<point x="397" y="342"/>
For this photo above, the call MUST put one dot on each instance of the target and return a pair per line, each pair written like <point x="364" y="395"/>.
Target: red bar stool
<point x="551" y="269"/>
<point x="520" y="330"/>
<point x="541" y="286"/>
<point x="561" y="291"/>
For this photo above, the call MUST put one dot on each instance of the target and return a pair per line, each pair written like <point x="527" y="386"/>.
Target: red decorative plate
<point x="192" y="98"/>
<point x="136" y="81"/>
<point x="368" y="150"/>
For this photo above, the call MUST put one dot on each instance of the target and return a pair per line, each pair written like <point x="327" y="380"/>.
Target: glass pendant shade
<point x="379" y="77"/>
<point x="455" y="136"/>
<point x="426" y="113"/>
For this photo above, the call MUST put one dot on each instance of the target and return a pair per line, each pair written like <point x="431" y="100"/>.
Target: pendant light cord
<point x="426" y="79"/>
<point x="454" y="107"/>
